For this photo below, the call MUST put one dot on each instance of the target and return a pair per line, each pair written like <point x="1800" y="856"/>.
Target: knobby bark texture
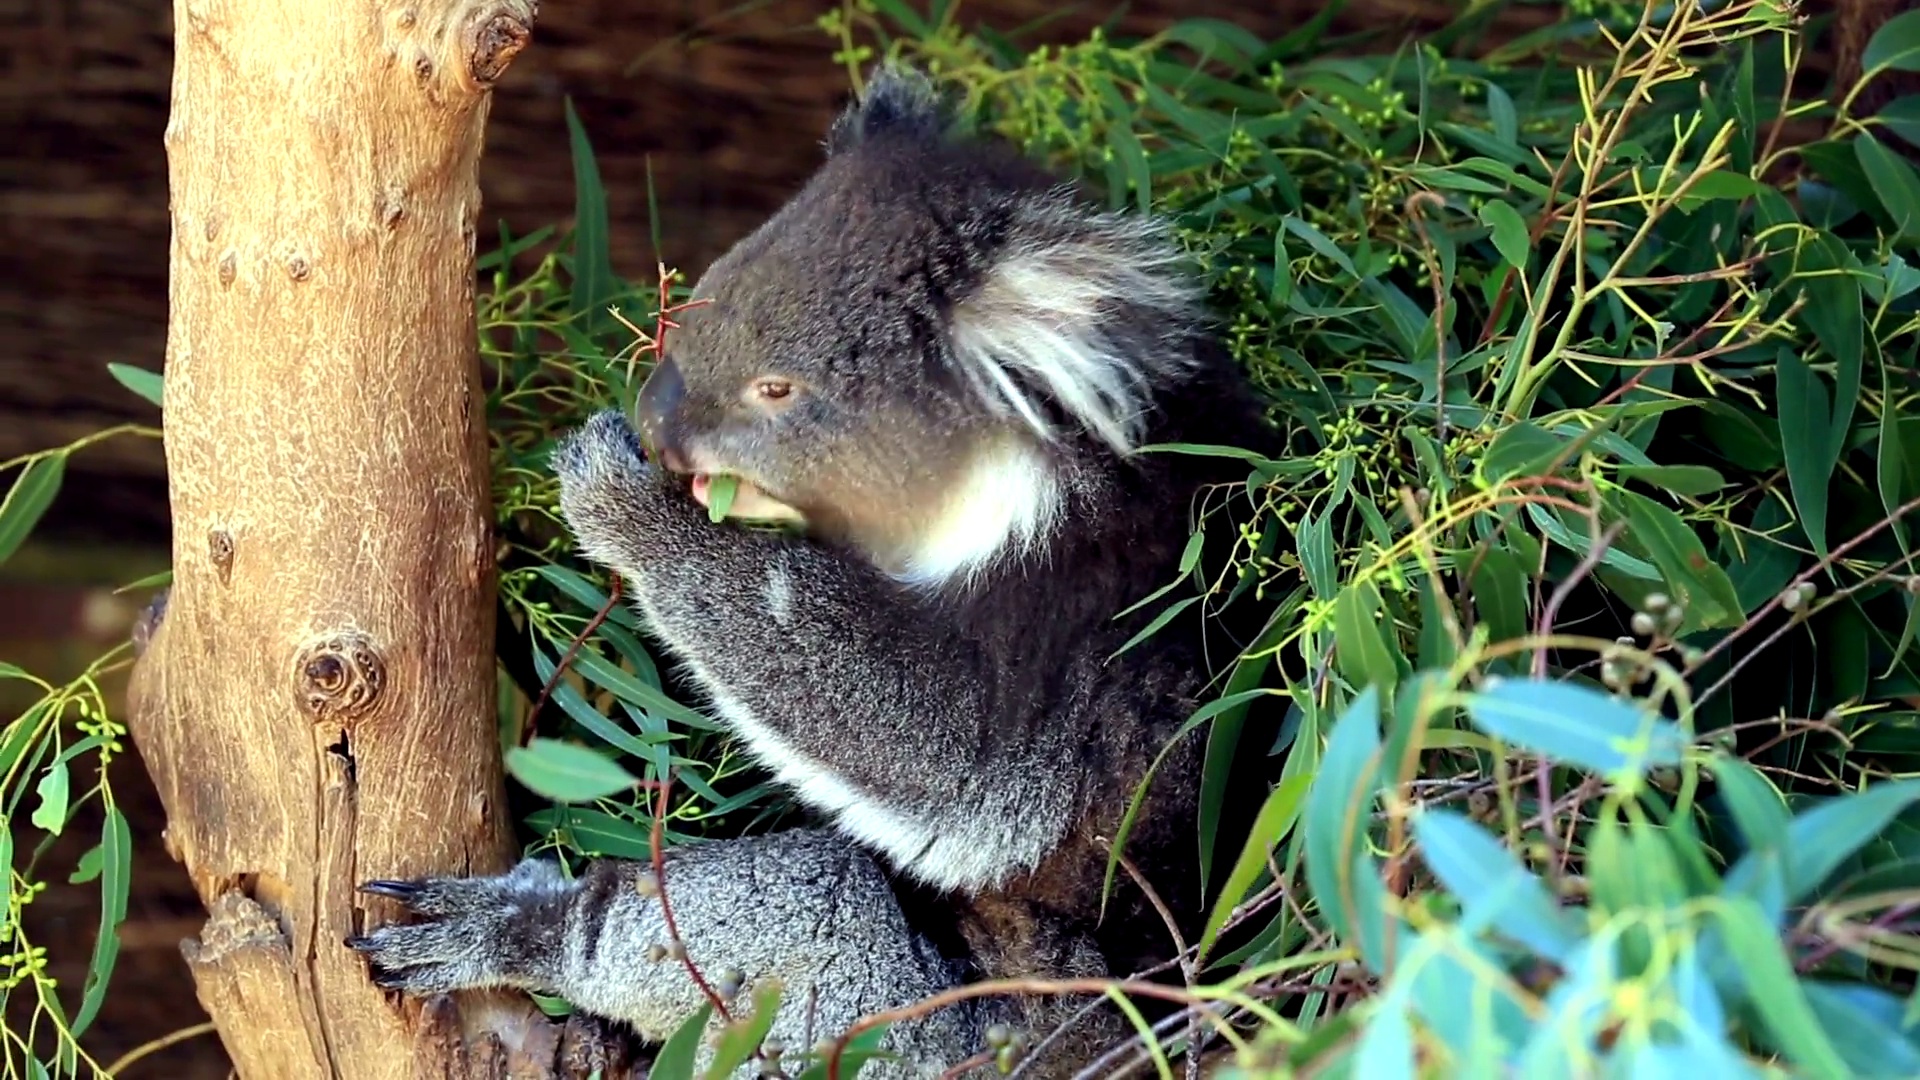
<point x="316" y="703"/>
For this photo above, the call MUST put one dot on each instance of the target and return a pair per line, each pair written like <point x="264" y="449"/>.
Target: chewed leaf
<point x="1575" y="724"/>
<point x="720" y="492"/>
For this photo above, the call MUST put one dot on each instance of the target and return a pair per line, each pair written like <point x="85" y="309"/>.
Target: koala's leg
<point x="800" y="906"/>
<point x="1013" y="939"/>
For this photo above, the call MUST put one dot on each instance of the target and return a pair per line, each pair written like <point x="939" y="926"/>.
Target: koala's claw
<point x="427" y="957"/>
<point x="392" y="890"/>
<point x="475" y="931"/>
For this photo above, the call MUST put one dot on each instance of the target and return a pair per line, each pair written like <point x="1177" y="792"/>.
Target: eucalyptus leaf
<point x="1576" y="725"/>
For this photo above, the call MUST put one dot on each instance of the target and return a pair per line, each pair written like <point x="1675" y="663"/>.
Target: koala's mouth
<point x="748" y="501"/>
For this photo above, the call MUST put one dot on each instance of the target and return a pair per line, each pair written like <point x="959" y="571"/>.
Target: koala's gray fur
<point x="800" y="906"/>
<point x="946" y="363"/>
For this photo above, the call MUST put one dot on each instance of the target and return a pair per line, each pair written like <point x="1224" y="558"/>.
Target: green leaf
<point x="51" y="815"/>
<point x="1701" y="585"/>
<point x="1510" y="237"/>
<point x="860" y="1049"/>
<point x="676" y="1057"/>
<point x="1316" y="554"/>
<point x="1719" y="184"/>
<point x="1894" y="180"/>
<point x="721" y="489"/>
<point x="740" y="1039"/>
<point x="1475" y="866"/>
<point x="593" y="282"/>
<point x="567" y="772"/>
<point x="148" y="384"/>
<point x="1276" y="818"/>
<point x="91" y="863"/>
<point x="1775" y="990"/>
<point x="1575" y="724"/>
<point x="1360" y="639"/>
<point x="585" y="593"/>
<point x="1500" y="594"/>
<point x="115" y="882"/>
<point x="1318" y="241"/>
<point x="1693" y="480"/>
<point x="27" y="500"/>
<point x="1902" y="117"/>
<point x="1523" y="449"/>
<point x="1897" y="460"/>
<point x="1501" y="113"/>
<point x="595" y="833"/>
<point x="1895" y="46"/>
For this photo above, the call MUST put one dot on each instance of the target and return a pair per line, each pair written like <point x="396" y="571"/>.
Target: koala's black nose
<point x="656" y="411"/>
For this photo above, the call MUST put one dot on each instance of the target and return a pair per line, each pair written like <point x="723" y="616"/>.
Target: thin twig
<point x="1166" y="915"/>
<point x="566" y="660"/>
<point x="154" y="1046"/>
<point x="969" y="991"/>
<point x="656" y="843"/>
<point x="1799" y="579"/>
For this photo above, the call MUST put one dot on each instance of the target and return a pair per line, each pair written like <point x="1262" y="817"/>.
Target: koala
<point x="940" y="364"/>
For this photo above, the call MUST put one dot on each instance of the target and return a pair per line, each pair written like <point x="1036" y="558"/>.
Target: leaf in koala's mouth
<point x="720" y="492"/>
<point x="727" y="497"/>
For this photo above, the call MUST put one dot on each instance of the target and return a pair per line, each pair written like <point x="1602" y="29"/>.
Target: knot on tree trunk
<point x="496" y="39"/>
<point x="340" y="677"/>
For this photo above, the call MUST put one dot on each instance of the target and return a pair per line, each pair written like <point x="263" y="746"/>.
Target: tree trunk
<point x="317" y="707"/>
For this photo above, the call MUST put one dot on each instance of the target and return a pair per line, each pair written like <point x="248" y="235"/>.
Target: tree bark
<point x="317" y="705"/>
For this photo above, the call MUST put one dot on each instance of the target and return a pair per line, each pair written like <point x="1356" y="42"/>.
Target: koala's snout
<point x="657" y="412"/>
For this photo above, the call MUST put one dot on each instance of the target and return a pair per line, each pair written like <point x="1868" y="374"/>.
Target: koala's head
<point x="912" y="351"/>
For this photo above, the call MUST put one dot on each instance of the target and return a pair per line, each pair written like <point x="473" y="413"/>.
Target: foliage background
<point x="1588" y="580"/>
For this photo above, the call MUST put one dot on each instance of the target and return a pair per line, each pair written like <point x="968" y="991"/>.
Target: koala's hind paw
<point x="488" y="931"/>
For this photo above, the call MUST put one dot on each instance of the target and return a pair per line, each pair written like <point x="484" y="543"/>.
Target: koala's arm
<point x="849" y="686"/>
<point x="801" y="906"/>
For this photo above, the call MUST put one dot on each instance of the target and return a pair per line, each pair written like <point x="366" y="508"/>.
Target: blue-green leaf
<point x="148" y="384"/>
<point x="1817" y="841"/>
<point x="1575" y="724"/>
<point x="1865" y="1022"/>
<point x="1476" y="867"/>
<point x="1339" y="807"/>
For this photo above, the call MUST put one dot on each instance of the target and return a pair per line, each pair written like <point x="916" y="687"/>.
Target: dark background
<point x="728" y="106"/>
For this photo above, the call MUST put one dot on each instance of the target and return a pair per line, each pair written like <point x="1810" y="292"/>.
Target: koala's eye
<point x="772" y="389"/>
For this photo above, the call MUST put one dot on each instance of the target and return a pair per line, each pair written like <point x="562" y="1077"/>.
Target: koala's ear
<point x="900" y="102"/>
<point x="1084" y="317"/>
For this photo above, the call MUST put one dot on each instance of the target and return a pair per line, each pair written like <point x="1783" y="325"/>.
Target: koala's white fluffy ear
<point x="1087" y="311"/>
<point x="899" y="101"/>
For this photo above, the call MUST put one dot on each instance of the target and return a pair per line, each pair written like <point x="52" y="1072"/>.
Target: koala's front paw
<point x="604" y="450"/>
<point x="488" y="931"/>
<point x="623" y="510"/>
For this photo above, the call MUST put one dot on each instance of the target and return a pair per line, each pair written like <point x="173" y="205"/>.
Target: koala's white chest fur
<point x="959" y="859"/>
